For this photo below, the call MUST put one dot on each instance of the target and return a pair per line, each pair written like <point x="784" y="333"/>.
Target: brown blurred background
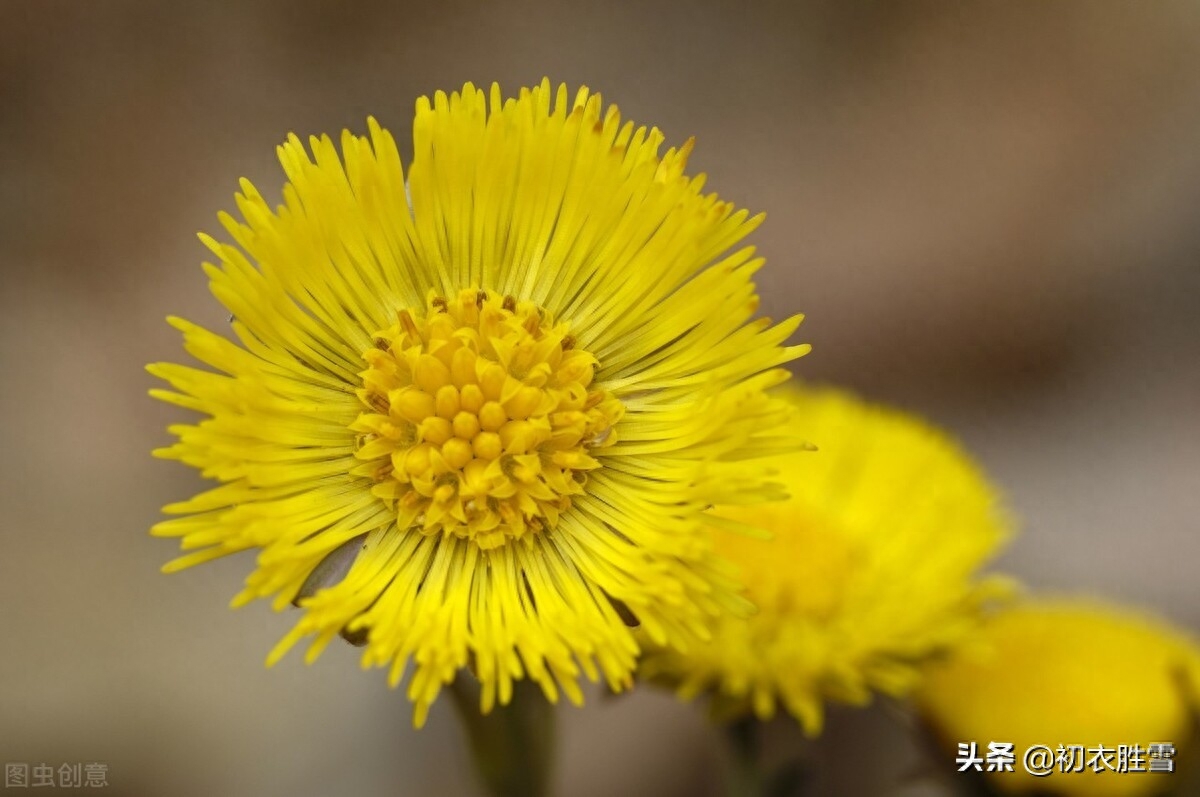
<point x="988" y="212"/>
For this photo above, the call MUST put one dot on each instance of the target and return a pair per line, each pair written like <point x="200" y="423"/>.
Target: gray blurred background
<point x="988" y="212"/>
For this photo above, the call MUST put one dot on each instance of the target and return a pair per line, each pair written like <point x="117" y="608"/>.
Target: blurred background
<point x="987" y="211"/>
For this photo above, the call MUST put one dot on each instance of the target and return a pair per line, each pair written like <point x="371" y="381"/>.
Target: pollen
<point x="479" y="418"/>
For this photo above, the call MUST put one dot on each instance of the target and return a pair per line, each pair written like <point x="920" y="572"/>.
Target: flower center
<point x="804" y="571"/>
<point x="479" y="418"/>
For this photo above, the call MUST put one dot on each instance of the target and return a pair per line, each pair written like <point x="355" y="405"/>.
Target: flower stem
<point x="751" y="773"/>
<point x="513" y="746"/>
<point x="744" y="776"/>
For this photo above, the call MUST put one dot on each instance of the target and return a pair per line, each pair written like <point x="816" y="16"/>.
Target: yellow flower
<point x="870" y="570"/>
<point x="1069" y="672"/>
<point x="476" y="414"/>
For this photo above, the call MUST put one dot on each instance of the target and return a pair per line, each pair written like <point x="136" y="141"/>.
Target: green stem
<point x="750" y="772"/>
<point x="513" y="746"/>
<point x="744" y="777"/>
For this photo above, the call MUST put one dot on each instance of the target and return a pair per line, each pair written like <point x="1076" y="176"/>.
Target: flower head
<point x="870" y="568"/>
<point x="474" y="414"/>
<point x="1070" y="672"/>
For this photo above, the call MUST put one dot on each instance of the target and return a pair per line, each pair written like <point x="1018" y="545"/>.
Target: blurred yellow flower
<point x="870" y="572"/>
<point x="1069" y="672"/>
<point x="477" y="413"/>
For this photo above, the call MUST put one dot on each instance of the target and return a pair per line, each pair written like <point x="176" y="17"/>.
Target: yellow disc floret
<point x="479" y="418"/>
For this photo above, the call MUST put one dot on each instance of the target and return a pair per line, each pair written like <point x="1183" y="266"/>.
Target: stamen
<point x="409" y="326"/>
<point x="472" y="449"/>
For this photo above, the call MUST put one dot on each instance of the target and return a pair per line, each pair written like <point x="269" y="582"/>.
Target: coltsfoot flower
<point x="474" y="414"/>
<point x="869" y="571"/>
<point x="1071" y="672"/>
